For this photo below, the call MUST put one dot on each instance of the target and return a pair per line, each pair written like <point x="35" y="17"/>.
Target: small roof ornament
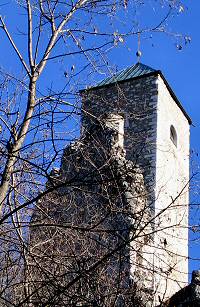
<point x="138" y="53"/>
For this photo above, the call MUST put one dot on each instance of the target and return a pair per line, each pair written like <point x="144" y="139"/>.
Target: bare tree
<point x="61" y="46"/>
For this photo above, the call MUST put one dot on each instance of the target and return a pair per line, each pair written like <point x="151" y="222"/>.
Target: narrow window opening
<point x="173" y="135"/>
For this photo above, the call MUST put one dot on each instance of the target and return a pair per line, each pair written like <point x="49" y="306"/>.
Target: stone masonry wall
<point x="172" y="196"/>
<point x="136" y="100"/>
<point x="103" y="200"/>
<point x="125" y="175"/>
<point x="149" y="110"/>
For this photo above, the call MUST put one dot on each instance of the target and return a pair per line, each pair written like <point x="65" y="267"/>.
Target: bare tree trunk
<point x="34" y="72"/>
<point x="14" y="147"/>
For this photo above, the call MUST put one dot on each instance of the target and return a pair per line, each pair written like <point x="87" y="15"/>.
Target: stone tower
<point x="153" y="131"/>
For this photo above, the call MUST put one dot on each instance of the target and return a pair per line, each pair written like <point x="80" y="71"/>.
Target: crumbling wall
<point x="103" y="214"/>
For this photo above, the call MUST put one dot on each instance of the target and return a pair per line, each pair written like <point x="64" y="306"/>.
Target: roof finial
<point x="138" y="53"/>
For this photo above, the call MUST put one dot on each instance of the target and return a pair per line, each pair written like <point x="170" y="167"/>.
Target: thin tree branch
<point x="3" y="26"/>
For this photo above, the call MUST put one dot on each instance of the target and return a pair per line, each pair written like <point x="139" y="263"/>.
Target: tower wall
<point x="172" y="196"/>
<point x="133" y="218"/>
<point x="136" y="100"/>
<point x="153" y="123"/>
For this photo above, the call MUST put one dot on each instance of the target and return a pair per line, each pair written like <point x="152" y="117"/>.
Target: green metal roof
<point x="134" y="71"/>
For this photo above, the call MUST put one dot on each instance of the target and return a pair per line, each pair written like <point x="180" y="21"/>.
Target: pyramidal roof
<point x="134" y="71"/>
<point x="138" y="70"/>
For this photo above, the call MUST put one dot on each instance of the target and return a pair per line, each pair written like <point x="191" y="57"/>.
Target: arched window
<point x="173" y="135"/>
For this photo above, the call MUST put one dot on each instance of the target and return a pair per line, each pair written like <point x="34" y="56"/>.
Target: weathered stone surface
<point x="104" y="192"/>
<point x="149" y="110"/>
<point x="126" y="175"/>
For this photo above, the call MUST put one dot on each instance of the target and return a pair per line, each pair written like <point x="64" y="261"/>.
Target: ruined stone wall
<point x="102" y="210"/>
<point x="121" y="180"/>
